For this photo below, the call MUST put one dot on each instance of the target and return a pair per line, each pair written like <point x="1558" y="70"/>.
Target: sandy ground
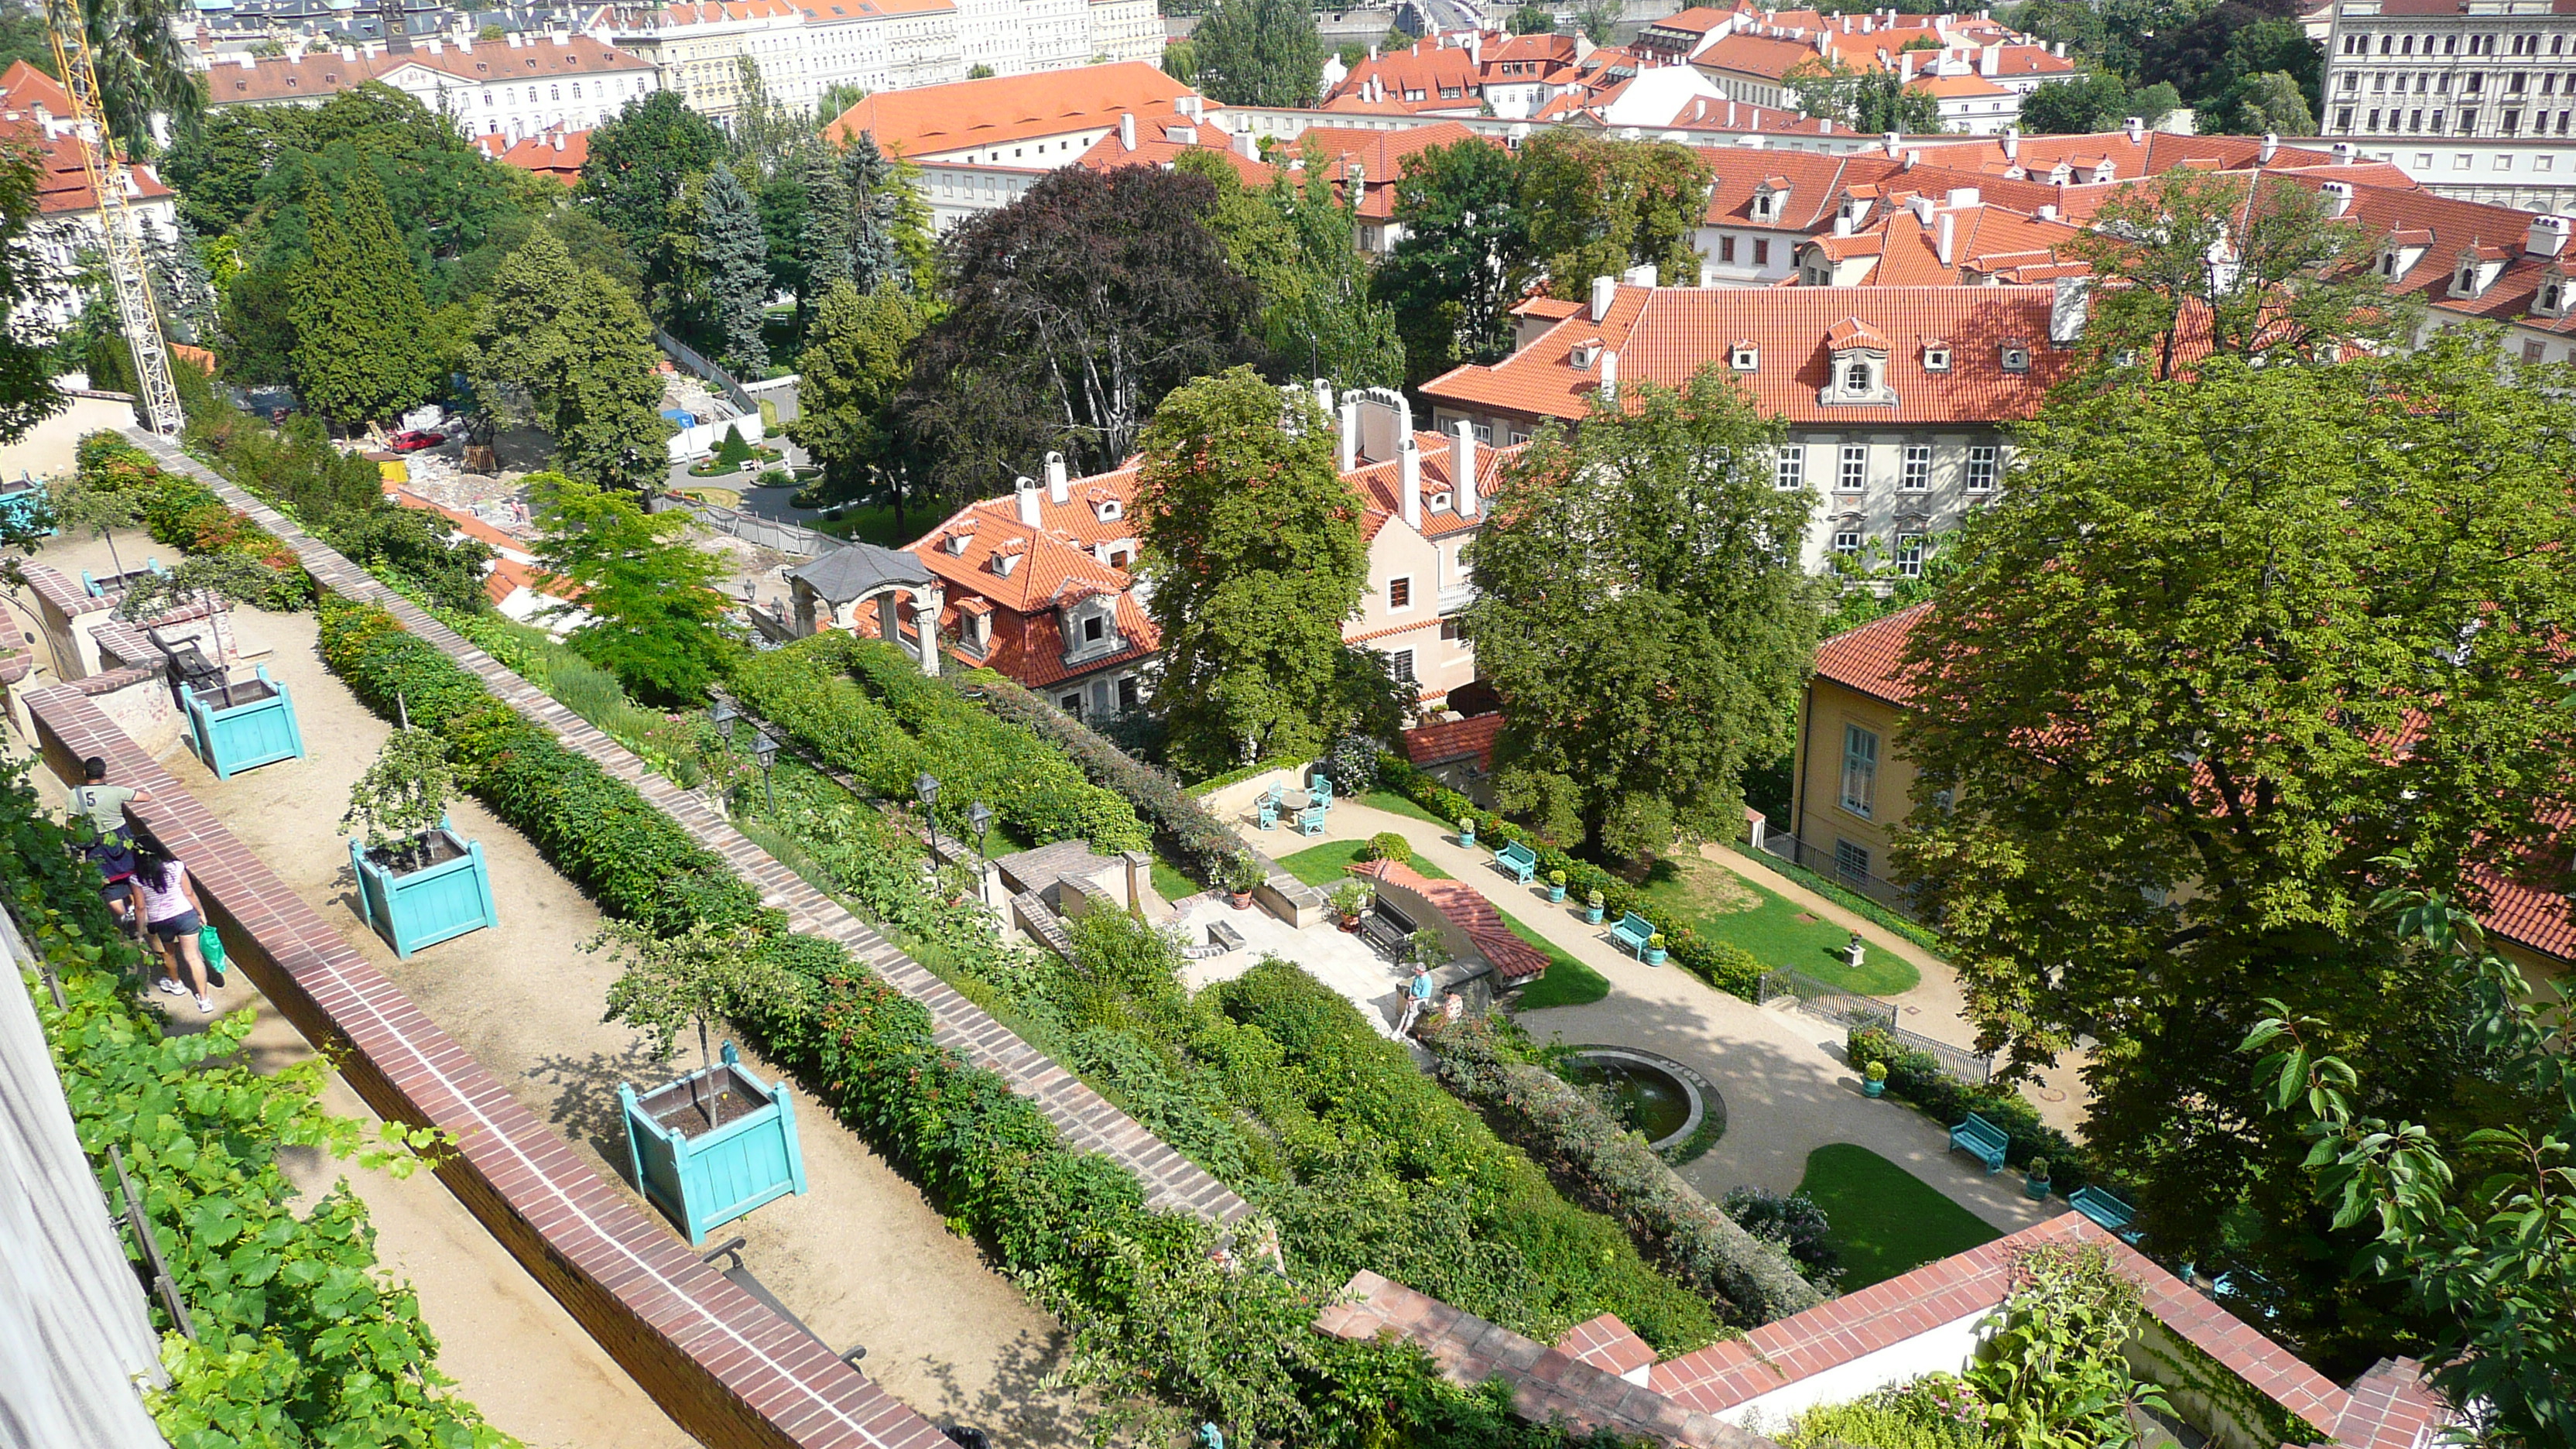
<point x="862" y="1258"/>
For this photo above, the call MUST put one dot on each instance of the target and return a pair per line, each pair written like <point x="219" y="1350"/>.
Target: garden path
<point x="861" y="1257"/>
<point x="1787" y="1088"/>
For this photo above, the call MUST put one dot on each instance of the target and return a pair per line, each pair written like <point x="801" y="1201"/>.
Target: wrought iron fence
<point x="1835" y="867"/>
<point x="1848" y="1008"/>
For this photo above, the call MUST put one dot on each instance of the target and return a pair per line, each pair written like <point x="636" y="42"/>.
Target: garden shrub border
<point x="1918" y="1078"/>
<point x="180" y="511"/>
<point x="1200" y="843"/>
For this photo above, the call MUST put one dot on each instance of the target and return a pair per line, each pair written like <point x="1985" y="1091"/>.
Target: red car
<point x="417" y="439"/>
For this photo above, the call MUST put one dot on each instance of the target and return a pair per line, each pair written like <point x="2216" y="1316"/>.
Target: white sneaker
<point x="172" y="987"/>
<point x="204" y="1005"/>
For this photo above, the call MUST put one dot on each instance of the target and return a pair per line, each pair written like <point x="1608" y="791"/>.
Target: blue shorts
<point x="186" y="923"/>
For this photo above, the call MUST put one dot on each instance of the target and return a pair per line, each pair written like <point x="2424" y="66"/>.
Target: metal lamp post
<point x="724" y="715"/>
<point x="980" y="816"/>
<point x="765" y="751"/>
<point x="927" y="787"/>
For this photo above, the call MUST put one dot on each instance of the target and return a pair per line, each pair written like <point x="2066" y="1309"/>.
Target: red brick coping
<point x="1088" y="1121"/>
<point x="1514" y="960"/>
<point x="728" y="1369"/>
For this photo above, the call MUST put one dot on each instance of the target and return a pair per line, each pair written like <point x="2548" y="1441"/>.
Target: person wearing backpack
<point x="97" y="809"/>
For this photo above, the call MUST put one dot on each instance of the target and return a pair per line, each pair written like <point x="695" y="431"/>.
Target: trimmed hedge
<point x="1918" y="1078"/>
<point x="1612" y="1170"/>
<point x="863" y="705"/>
<point x="1722" y="964"/>
<point x="1198" y="841"/>
<point x="186" y="514"/>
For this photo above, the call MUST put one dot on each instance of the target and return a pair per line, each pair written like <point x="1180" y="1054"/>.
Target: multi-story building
<point x="507" y="88"/>
<point x="1126" y="30"/>
<point x="699" y="48"/>
<point x="68" y="230"/>
<point x="2474" y="98"/>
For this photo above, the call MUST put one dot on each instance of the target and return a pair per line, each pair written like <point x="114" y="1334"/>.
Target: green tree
<point x="27" y="393"/>
<point x="887" y="227"/>
<point x="736" y="263"/>
<point x="2276" y="276"/>
<point x="1298" y="244"/>
<point x="1465" y="258"/>
<point x="2490" y="1264"/>
<point x="1875" y="101"/>
<point x="838" y="97"/>
<point x="854" y="367"/>
<point x="2223" y="645"/>
<point x="1259" y="53"/>
<point x="1643" y="616"/>
<point x="1598" y="20"/>
<point x="2091" y="101"/>
<point x="649" y="590"/>
<point x="634" y="171"/>
<point x="361" y="351"/>
<point x="143" y="68"/>
<point x="825" y="245"/>
<point x="567" y="350"/>
<point x="979" y="71"/>
<point x="709" y="973"/>
<point x="1252" y="544"/>
<point x="1597" y="207"/>
<point x="1181" y="62"/>
<point x="2267" y="103"/>
<point x="1532" y="20"/>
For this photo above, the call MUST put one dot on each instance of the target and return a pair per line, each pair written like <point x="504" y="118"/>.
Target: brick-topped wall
<point x="725" y="1367"/>
<point x="1089" y="1121"/>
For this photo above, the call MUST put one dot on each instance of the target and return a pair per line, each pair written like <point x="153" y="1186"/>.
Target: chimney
<point x="2343" y="153"/>
<point x="1946" y="238"/>
<point x="2069" y="297"/>
<point x="1640" y="275"/>
<point x="1408" y="481"/>
<point x="2264" y="153"/>
<point x="1462" y="463"/>
<point x="1059" y="488"/>
<point x="2012" y="143"/>
<point x="1922" y="207"/>
<point x="1244" y="148"/>
<point x="1026" y="491"/>
<point x="2547" y="238"/>
<point x="1609" y="376"/>
<point x="1605" y="290"/>
<point x="1892" y="148"/>
<point x="1905" y="67"/>
<point x="1842" y="223"/>
<point x="2048" y="212"/>
<point x="1127" y="130"/>
<point x="558" y="138"/>
<point x="2136" y="129"/>
<point x="2061" y="50"/>
<point x="1963" y="196"/>
<point x="1324" y="396"/>
<point x="2338" y="195"/>
<point x="1350" y="430"/>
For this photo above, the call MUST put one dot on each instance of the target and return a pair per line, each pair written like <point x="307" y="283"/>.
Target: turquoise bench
<point x="1519" y="859"/>
<point x="2102" y="1207"/>
<point x="1982" y="1140"/>
<point x="1310" y="821"/>
<point x="1266" y="813"/>
<point x="1633" y="932"/>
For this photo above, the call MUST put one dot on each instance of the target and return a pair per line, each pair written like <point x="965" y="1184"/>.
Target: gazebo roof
<point x="861" y="569"/>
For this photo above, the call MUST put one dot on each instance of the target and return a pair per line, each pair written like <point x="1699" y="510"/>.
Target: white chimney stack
<point x="2136" y="127"/>
<point x="1605" y="290"/>
<point x="1026" y="491"/>
<point x="2548" y="236"/>
<point x="2271" y="145"/>
<point x="1640" y="275"/>
<point x="2012" y="143"/>
<point x="1350" y="431"/>
<point x="1946" y="238"/>
<point x="1462" y="464"/>
<point x="1059" y="488"/>
<point x="1990" y="60"/>
<point x="2338" y="195"/>
<point x="1609" y="376"/>
<point x="1323" y="389"/>
<point x="1408" y="481"/>
<point x="1127" y="130"/>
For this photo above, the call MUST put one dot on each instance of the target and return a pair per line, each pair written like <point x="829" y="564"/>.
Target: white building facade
<point x="2476" y="99"/>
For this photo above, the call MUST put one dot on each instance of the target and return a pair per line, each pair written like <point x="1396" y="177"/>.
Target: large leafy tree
<point x="1071" y="312"/>
<point x="1597" y="207"/>
<point x="27" y="393"/>
<point x="635" y="170"/>
<point x="142" y="66"/>
<point x="650" y="592"/>
<point x="1259" y="53"/>
<point x="854" y="367"/>
<point x="2093" y="101"/>
<point x="1875" y="101"/>
<point x="2224" y="645"/>
<point x="1642" y="614"/>
<point x="1464" y="260"/>
<point x="736" y="263"/>
<point x="361" y="351"/>
<point x="1252" y="544"/>
<point x="2192" y="261"/>
<point x="566" y="349"/>
<point x="1297" y="242"/>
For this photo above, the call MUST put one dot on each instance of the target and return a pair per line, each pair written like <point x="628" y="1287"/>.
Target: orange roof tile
<point x="1514" y="960"/>
<point x="961" y="115"/>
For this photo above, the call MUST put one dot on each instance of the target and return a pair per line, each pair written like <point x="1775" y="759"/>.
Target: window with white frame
<point x="1855" y="468"/>
<point x="1789" y="468"/>
<point x="1981" y="468"/>
<point x="1918" y="468"/>
<point x="1860" y="770"/>
<point x="1399" y="593"/>
<point x="1400" y="664"/>
<point x="1847" y="537"/>
<point x="1909" y="555"/>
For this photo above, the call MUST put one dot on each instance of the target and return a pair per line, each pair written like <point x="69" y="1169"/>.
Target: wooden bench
<point x="1388" y="930"/>
<point x="1265" y="813"/>
<point x="1982" y="1140"/>
<point x="2102" y="1207"/>
<point x="1633" y="932"/>
<point x="1519" y="859"/>
<point x="1310" y="821"/>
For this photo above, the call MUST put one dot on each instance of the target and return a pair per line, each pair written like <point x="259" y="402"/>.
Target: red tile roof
<point x="1380" y="155"/>
<point x="1427" y="68"/>
<point x="1058" y="564"/>
<point x="935" y="120"/>
<point x="325" y="72"/>
<point x="1867" y="658"/>
<point x="1755" y="55"/>
<point x="1381" y="486"/>
<point x="556" y="152"/>
<point x="1161" y="140"/>
<point x="62" y="186"/>
<point x="1514" y="960"/>
<point x="1454" y="739"/>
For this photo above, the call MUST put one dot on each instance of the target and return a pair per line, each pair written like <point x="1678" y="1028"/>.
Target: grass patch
<point x="1883" y="1219"/>
<point x="1394" y="804"/>
<point x="1568" y="982"/>
<point x="1170" y="884"/>
<point x="1721" y="904"/>
<point x="872" y="523"/>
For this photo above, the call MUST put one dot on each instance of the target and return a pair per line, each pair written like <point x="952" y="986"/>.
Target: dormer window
<point x="1936" y="357"/>
<point x="1856" y="375"/>
<point x="1441" y="501"/>
<point x="956" y="542"/>
<point x="1767" y="201"/>
<point x="1108" y="509"/>
<point x="2551" y="300"/>
<point x="1003" y="563"/>
<point x="2016" y="357"/>
<point x="1585" y="353"/>
<point x="1745" y="357"/>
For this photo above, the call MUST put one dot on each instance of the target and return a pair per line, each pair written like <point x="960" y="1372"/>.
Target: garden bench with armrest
<point x="2108" y="1210"/>
<point x="1982" y="1140"/>
<point x="1633" y="932"/>
<point x="1310" y="821"/>
<point x="1519" y="859"/>
<point x="1265" y="813"/>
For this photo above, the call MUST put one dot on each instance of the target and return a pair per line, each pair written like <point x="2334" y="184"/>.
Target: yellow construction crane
<point x="124" y="244"/>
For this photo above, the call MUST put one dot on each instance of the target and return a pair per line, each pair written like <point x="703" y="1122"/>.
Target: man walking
<point x="97" y="809"/>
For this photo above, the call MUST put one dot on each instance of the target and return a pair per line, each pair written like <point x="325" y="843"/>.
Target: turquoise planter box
<point x="100" y="588"/>
<point x="419" y="908"/>
<point x="20" y="503"/>
<point x="704" y="1177"/>
<point x="242" y="725"/>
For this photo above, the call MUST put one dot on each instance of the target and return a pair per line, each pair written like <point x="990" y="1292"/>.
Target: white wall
<point x="1946" y="1349"/>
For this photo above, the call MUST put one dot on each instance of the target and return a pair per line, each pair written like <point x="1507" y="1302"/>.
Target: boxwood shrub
<point x="1918" y="1078"/>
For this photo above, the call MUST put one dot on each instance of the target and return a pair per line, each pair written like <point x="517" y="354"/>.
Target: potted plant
<point x="1873" y="1080"/>
<point x="231" y="724"/>
<point x="1350" y="898"/>
<point x="1466" y="830"/>
<point x="1242" y="878"/>
<point x="1593" y="905"/>
<point x="718" y="1142"/>
<point x="1655" y="949"/>
<point x="1856" y="952"/>
<point x="1556" y="885"/>
<point x="419" y="882"/>
<point x="2034" y="1183"/>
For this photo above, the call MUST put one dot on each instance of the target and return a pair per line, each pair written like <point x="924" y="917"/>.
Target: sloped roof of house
<point x="934" y="120"/>
<point x="1757" y="55"/>
<point x="1441" y="741"/>
<point x="325" y="72"/>
<point x="1513" y="959"/>
<point x="1381" y="486"/>
<point x="1163" y="139"/>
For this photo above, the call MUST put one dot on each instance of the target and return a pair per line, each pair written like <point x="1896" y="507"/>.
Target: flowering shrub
<point x="178" y="510"/>
<point x="1794" y="1222"/>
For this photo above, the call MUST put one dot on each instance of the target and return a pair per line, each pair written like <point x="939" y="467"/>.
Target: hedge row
<point x="1722" y="964"/>
<point x="1612" y="1170"/>
<point x="301" y="1336"/>
<point x="1918" y="1078"/>
<point x="1198" y="841"/>
<point x="184" y="513"/>
<point x="860" y="704"/>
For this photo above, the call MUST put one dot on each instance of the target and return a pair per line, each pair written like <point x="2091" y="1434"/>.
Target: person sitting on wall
<point x="1417" y="995"/>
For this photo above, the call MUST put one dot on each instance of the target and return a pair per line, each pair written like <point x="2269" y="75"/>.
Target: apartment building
<point x="2444" y="68"/>
<point x="68" y="229"/>
<point x="514" y="88"/>
<point x="698" y="48"/>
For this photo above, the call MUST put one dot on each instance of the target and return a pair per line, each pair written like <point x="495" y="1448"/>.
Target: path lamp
<point x="764" y="750"/>
<point x="980" y="816"/>
<point x="724" y="715"/>
<point x="927" y="788"/>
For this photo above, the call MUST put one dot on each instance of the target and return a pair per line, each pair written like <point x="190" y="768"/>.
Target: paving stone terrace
<point x="1089" y="1121"/>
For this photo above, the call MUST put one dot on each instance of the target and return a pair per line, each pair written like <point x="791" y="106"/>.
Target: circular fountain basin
<point x="1654" y="1096"/>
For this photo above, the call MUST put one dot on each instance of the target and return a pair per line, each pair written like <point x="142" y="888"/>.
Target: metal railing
<point x="1850" y="1008"/>
<point x="1824" y="862"/>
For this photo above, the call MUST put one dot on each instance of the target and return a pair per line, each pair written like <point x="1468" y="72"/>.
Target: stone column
<point x="925" y="617"/>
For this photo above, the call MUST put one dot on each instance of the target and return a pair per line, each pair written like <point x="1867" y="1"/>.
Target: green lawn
<point x="1169" y="883"/>
<point x="1883" y="1219"/>
<point x="1568" y="982"/>
<point x="1394" y="804"/>
<point x="874" y="523"/>
<point x="1719" y="903"/>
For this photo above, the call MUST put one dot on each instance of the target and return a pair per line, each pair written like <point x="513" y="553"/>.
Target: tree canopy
<point x="1642" y="614"/>
<point x="566" y="349"/>
<point x="1464" y="260"/>
<point x="1298" y="244"/>
<point x="634" y="172"/>
<point x="2093" y="101"/>
<point x="1597" y="207"/>
<point x="27" y="393"/>
<point x="1874" y="101"/>
<point x="361" y="352"/>
<point x="736" y="263"/>
<point x="1259" y="53"/>
<point x="853" y="369"/>
<point x="649" y="591"/>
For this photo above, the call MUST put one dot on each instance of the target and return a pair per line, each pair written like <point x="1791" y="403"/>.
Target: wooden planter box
<point x="437" y="901"/>
<point x="241" y="725"/>
<point x="703" y="1177"/>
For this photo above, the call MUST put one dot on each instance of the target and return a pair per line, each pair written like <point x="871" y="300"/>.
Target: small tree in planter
<point x="1593" y="906"/>
<point x="1873" y="1079"/>
<point x="733" y="452"/>
<point x="403" y="798"/>
<point x="2035" y="1183"/>
<point x="1466" y="830"/>
<point x="1556" y="885"/>
<point x="418" y="882"/>
<point x="1429" y="949"/>
<point x="1655" y="946"/>
<point x="1242" y="878"/>
<point x="1387" y="845"/>
<point x="672" y="982"/>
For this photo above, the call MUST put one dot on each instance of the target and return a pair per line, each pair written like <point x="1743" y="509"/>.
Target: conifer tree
<point x="826" y="242"/>
<point x="875" y="216"/>
<point x="736" y="259"/>
<point x="362" y="349"/>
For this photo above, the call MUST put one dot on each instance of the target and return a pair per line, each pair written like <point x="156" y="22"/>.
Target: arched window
<point x="1856" y="376"/>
